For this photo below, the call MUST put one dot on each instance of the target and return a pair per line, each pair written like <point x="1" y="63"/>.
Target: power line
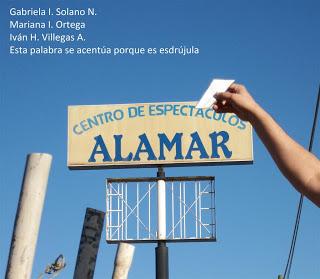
<point x="297" y="223"/>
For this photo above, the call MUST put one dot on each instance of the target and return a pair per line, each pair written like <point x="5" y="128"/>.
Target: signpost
<point x="157" y="135"/>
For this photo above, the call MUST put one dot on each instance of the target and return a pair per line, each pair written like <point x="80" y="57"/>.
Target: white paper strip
<point x="217" y="85"/>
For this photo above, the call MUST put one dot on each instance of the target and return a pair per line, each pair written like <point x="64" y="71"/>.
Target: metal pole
<point x="162" y="208"/>
<point x="28" y="216"/>
<point x="162" y="264"/>
<point x="123" y="261"/>
<point x="89" y="244"/>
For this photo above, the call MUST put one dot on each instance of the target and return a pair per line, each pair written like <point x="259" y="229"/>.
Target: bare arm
<point x="298" y="165"/>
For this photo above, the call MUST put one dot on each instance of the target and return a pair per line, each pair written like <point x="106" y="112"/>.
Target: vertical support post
<point x="180" y="208"/>
<point x="184" y="211"/>
<point x="138" y="212"/>
<point x="123" y="261"/>
<point x="162" y="230"/>
<point x="162" y="265"/>
<point x="200" y="210"/>
<point x="126" y="209"/>
<point x="28" y="216"/>
<point x="118" y="211"/>
<point x="196" y="207"/>
<point x="89" y="244"/>
<point x="149" y="211"/>
<point x="108" y="235"/>
<point x="122" y="207"/>
<point x="213" y="211"/>
<point x="172" y="208"/>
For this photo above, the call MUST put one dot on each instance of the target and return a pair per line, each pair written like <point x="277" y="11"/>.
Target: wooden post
<point x="89" y="244"/>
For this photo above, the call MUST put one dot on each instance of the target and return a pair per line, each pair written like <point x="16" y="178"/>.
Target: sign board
<point x="153" y="134"/>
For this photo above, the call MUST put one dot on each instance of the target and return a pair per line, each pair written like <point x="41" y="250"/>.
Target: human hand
<point x="236" y="100"/>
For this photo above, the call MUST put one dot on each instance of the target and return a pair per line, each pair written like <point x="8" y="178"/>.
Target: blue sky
<point x="271" y="47"/>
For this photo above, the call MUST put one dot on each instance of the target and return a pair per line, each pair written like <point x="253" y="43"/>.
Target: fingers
<point x="224" y="102"/>
<point x="239" y="89"/>
<point x="224" y="96"/>
<point x="236" y="88"/>
<point x="233" y="93"/>
<point x="223" y="109"/>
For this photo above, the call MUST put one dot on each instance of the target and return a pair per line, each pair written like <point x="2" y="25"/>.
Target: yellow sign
<point x="133" y="135"/>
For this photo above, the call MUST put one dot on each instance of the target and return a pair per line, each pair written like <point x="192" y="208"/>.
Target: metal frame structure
<point x="131" y="209"/>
